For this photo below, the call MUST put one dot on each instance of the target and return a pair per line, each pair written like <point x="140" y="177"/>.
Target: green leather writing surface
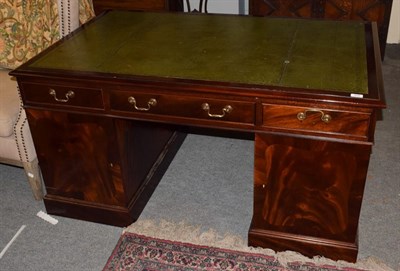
<point x="297" y="53"/>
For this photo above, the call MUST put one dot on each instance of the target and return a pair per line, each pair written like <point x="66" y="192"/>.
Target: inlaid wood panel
<point x="366" y="10"/>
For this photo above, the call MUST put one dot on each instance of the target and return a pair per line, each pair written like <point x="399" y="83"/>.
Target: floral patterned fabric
<point x="86" y="10"/>
<point x="29" y="26"/>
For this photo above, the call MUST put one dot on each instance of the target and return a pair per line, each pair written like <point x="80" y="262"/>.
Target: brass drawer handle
<point x="68" y="95"/>
<point x="150" y="103"/>
<point x="324" y="117"/>
<point x="226" y="110"/>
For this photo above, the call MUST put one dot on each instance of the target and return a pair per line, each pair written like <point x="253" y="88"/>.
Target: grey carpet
<point x="212" y="176"/>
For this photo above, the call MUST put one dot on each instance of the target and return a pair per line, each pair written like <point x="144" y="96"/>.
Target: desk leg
<point x="307" y="195"/>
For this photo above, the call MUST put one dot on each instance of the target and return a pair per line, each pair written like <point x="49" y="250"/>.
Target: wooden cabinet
<point x="366" y="10"/>
<point x="149" y="5"/>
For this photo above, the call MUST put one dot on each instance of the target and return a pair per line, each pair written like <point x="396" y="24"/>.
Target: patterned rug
<point x="155" y="245"/>
<point x="141" y="253"/>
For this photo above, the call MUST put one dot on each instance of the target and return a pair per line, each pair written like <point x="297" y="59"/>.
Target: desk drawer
<point x="316" y="120"/>
<point x="182" y="106"/>
<point x="60" y="95"/>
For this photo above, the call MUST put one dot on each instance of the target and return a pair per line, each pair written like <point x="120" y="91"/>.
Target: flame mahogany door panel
<point x="308" y="191"/>
<point x="97" y="168"/>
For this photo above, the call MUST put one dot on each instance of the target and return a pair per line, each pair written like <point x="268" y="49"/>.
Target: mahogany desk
<point x="107" y="107"/>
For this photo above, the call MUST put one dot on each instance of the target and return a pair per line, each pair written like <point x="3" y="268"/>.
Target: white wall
<point x="217" y="6"/>
<point x="232" y="6"/>
<point x="394" y="26"/>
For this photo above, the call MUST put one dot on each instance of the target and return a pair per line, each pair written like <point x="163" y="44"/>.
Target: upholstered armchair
<point x="26" y="28"/>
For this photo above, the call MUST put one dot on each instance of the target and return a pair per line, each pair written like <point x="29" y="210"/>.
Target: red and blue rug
<point x="135" y="252"/>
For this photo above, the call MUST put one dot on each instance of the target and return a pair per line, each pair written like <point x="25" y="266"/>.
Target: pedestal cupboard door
<point x="309" y="189"/>
<point x="78" y="156"/>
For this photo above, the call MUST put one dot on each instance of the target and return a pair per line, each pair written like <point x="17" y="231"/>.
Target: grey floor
<point x="210" y="198"/>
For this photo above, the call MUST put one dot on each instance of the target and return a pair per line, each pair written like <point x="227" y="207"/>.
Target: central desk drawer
<point x="182" y="106"/>
<point x="62" y="95"/>
<point x="316" y="120"/>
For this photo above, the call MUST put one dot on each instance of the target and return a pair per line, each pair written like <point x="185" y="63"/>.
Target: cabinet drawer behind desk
<point x="62" y="95"/>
